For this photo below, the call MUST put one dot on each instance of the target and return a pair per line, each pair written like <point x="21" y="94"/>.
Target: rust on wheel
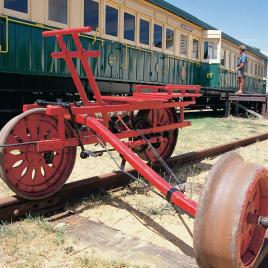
<point x="226" y="230"/>
<point x="165" y="147"/>
<point x="28" y="173"/>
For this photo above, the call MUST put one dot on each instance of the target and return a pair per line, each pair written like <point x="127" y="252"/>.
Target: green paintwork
<point x="29" y="53"/>
<point x="229" y="82"/>
<point x="210" y="75"/>
<point x="264" y="86"/>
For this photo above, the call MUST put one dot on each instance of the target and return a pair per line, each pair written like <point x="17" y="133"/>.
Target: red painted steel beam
<point x="67" y="31"/>
<point x="57" y="144"/>
<point x="76" y="54"/>
<point x="172" y="194"/>
<point x="94" y="108"/>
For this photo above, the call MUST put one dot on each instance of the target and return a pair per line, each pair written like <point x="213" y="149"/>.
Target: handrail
<point x="5" y="51"/>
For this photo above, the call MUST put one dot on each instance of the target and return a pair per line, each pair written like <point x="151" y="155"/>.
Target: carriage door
<point x="211" y="52"/>
<point x="157" y="57"/>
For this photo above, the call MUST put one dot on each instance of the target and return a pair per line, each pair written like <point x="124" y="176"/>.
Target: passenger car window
<point x="144" y="32"/>
<point x="91" y="14"/>
<point x="211" y="51"/>
<point x="17" y="5"/>
<point x="111" y="21"/>
<point x="195" y="49"/>
<point x="183" y="45"/>
<point x="57" y="11"/>
<point x="169" y="39"/>
<point x="158" y="36"/>
<point x="129" y="27"/>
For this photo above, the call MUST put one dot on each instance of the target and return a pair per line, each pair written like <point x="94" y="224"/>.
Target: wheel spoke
<point x="21" y="131"/>
<point x="15" y="173"/>
<point x="32" y="124"/>
<point x="12" y="159"/>
<point x="167" y="146"/>
<point x="27" y="178"/>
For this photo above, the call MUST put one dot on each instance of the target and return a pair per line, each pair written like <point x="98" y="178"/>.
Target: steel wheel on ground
<point x="226" y="230"/>
<point x="165" y="148"/>
<point x="30" y="174"/>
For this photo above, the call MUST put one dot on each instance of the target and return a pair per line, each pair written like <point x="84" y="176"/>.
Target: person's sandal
<point x="239" y="92"/>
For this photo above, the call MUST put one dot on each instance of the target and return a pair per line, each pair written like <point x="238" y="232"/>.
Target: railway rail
<point x="14" y="207"/>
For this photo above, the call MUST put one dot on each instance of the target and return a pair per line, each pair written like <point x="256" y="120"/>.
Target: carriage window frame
<point x="251" y="67"/>
<point x="223" y="61"/>
<point x="139" y="31"/>
<point x="55" y="23"/>
<point x="170" y="50"/>
<point x="259" y="69"/>
<point x="17" y="14"/>
<point x="234" y="61"/>
<point x="98" y="29"/>
<point x="198" y="48"/>
<point x="112" y="37"/>
<point x="186" y="47"/>
<point x="256" y="69"/>
<point x="162" y="38"/>
<point x="135" y="26"/>
<point x="230" y="60"/>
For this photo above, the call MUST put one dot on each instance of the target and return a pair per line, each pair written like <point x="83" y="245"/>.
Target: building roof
<point x="181" y="13"/>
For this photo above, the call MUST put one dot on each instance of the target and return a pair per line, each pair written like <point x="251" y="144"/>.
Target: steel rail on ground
<point x="13" y="207"/>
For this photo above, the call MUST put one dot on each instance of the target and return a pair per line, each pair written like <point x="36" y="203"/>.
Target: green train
<point x="141" y="42"/>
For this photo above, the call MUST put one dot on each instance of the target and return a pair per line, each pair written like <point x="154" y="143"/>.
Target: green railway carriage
<point x="141" y="42"/>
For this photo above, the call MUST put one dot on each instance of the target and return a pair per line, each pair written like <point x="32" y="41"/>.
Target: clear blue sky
<point x="245" y="20"/>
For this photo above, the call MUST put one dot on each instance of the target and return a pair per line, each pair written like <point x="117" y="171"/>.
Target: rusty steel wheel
<point x="144" y="119"/>
<point x="226" y="229"/>
<point x="30" y="174"/>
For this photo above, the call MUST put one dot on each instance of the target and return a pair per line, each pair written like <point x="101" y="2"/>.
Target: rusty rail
<point x="217" y="150"/>
<point x="13" y="207"/>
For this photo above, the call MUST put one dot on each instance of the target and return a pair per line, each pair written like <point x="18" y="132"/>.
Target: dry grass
<point x="207" y="132"/>
<point x="36" y="243"/>
<point x="134" y="210"/>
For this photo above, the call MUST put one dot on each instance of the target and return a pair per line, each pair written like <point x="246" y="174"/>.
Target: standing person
<point x="241" y="65"/>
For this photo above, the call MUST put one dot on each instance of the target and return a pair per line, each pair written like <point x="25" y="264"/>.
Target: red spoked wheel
<point x="167" y="143"/>
<point x="226" y="230"/>
<point x="30" y="174"/>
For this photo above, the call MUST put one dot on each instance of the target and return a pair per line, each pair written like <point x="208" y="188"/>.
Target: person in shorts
<point x="241" y="66"/>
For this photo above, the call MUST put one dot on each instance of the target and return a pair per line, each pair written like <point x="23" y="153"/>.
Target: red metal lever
<point x="67" y="31"/>
<point x="76" y="54"/>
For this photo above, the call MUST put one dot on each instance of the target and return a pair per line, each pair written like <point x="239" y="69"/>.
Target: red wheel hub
<point x="227" y="232"/>
<point x="29" y="173"/>
<point x="251" y="236"/>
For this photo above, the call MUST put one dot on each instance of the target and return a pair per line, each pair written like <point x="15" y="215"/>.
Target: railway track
<point x="13" y="207"/>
